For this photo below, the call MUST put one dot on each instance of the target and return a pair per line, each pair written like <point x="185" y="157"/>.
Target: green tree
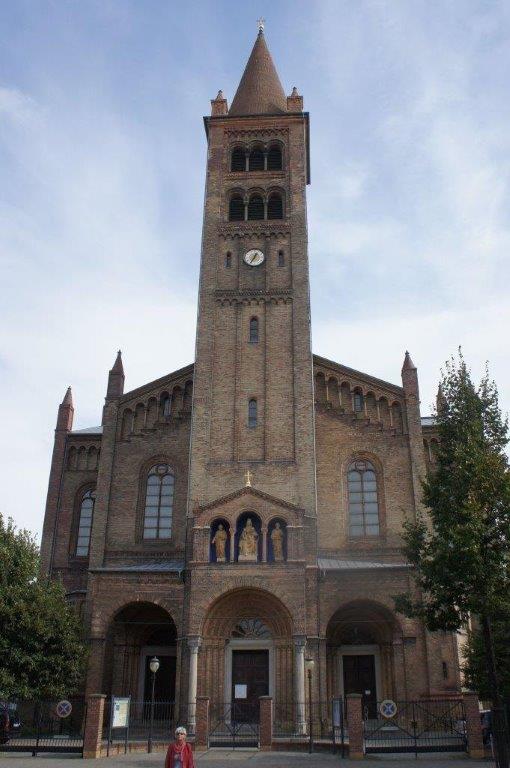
<point x="42" y="654"/>
<point x="461" y="550"/>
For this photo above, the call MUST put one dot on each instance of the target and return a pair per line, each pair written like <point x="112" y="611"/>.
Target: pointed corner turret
<point x="219" y="105"/>
<point x="294" y="101"/>
<point x="66" y="412"/>
<point x="440" y="399"/>
<point x="260" y="91"/>
<point x="116" y="379"/>
<point x="408" y="364"/>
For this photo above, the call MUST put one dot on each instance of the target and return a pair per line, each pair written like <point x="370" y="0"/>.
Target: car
<point x="9" y="721"/>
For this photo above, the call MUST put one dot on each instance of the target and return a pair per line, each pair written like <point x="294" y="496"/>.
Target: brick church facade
<point x="243" y="514"/>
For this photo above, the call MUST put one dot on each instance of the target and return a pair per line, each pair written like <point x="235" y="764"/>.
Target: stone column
<point x="263" y="533"/>
<point x="473" y="726"/>
<point x="193" y="645"/>
<point x="202" y="723"/>
<point x="266" y="723"/>
<point x="93" y="733"/>
<point x="355" y="726"/>
<point x="299" y="683"/>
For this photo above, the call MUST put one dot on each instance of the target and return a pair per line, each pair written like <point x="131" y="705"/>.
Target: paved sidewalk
<point x="242" y="759"/>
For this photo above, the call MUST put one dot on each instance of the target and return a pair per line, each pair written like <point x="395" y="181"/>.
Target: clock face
<point x="254" y="258"/>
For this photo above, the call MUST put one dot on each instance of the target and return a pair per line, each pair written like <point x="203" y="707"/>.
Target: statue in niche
<point x="277" y="542"/>
<point x="248" y="543"/>
<point x="220" y="543"/>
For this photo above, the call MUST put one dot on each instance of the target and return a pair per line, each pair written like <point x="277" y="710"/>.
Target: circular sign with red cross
<point x="388" y="708"/>
<point x="64" y="708"/>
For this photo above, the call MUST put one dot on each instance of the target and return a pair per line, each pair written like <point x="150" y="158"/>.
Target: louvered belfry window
<point x="254" y="330"/>
<point x="159" y="502"/>
<point x="256" y="160"/>
<point x="238" y="160"/>
<point x="363" y="503"/>
<point x="236" y="208"/>
<point x="252" y="413"/>
<point x="255" y="208"/>
<point x="275" y="207"/>
<point x="274" y="159"/>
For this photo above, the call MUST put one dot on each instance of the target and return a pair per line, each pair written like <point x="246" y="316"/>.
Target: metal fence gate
<point x="416" y="726"/>
<point x="36" y="727"/>
<point x="234" y="725"/>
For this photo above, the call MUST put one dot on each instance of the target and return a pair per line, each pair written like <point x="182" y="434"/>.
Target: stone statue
<point x="220" y="543"/>
<point x="248" y="543"/>
<point x="277" y="541"/>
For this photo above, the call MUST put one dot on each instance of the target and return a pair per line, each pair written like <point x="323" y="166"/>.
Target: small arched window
<point x="274" y="159"/>
<point x="358" y="402"/>
<point x="166" y="405"/>
<point x="256" y="159"/>
<point x="363" y="503"/>
<point x="254" y="330"/>
<point x="236" y="208"/>
<point x="228" y="260"/>
<point x="281" y="259"/>
<point x="255" y="208"/>
<point x="238" y="160"/>
<point x="275" y="206"/>
<point x="85" y="524"/>
<point x="252" y="413"/>
<point x="159" y="502"/>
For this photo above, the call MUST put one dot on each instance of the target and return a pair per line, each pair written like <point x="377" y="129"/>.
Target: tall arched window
<point x="256" y="160"/>
<point x="238" y="160"/>
<point x="255" y="208"/>
<point x="358" y="402"/>
<point x="159" y="502"/>
<point x="275" y="206"/>
<point x="252" y="413"/>
<point x="85" y="523"/>
<point x="254" y="330"/>
<point x="236" y="208"/>
<point x="274" y="159"/>
<point x="363" y="504"/>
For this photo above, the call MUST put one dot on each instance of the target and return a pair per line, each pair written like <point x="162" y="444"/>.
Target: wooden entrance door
<point x="359" y="677"/>
<point x="250" y="680"/>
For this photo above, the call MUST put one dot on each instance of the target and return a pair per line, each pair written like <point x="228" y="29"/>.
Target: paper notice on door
<point x="240" y="691"/>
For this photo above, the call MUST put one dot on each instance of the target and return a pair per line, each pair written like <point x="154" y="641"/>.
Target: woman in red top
<point x="179" y="754"/>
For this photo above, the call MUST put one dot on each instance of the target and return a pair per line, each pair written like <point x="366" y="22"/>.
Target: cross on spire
<point x="261" y="23"/>
<point x="248" y="476"/>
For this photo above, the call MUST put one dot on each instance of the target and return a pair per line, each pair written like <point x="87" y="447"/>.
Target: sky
<point x="102" y="167"/>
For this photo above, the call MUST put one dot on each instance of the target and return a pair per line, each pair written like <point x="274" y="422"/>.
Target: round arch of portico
<point x="382" y="620"/>
<point x="102" y="620"/>
<point x="246" y="602"/>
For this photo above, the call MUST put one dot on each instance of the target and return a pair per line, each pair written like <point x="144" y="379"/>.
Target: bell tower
<point x="253" y="391"/>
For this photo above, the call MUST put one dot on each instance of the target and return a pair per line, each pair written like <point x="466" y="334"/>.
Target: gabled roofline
<point x="359" y="374"/>
<point x="188" y="369"/>
<point x="247" y="490"/>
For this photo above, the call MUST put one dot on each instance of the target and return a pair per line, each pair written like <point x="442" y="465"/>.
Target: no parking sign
<point x="64" y="708"/>
<point x="388" y="708"/>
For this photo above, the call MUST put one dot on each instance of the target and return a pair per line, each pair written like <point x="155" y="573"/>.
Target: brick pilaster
<point x="355" y="726"/>
<point x="473" y="725"/>
<point x="202" y="724"/>
<point x="93" y="734"/>
<point x="266" y="723"/>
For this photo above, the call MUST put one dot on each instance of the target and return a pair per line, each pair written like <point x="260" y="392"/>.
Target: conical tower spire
<point x="260" y="91"/>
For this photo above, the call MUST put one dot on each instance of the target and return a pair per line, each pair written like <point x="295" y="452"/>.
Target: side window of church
<point x="252" y="413"/>
<point x="85" y="524"/>
<point x="159" y="501"/>
<point x="254" y="330"/>
<point x="363" y="504"/>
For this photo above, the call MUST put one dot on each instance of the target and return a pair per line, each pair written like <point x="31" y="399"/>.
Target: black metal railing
<point x="150" y="723"/>
<point x="322" y="721"/>
<point x="35" y="726"/>
<point x="234" y="725"/>
<point x="416" y="726"/>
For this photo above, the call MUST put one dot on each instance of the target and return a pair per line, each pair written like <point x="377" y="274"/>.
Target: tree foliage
<point x="42" y="654"/>
<point x="475" y="666"/>
<point x="461" y="550"/>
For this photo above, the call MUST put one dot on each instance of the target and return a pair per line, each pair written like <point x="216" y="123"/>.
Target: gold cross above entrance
<point x="247" y="478"/>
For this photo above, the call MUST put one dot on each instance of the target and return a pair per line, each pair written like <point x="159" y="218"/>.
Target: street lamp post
<point x="153" y="666"/>
<point x="309" y="668"/>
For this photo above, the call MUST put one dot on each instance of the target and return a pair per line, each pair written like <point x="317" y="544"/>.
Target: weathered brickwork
<point x="319" y="587"/>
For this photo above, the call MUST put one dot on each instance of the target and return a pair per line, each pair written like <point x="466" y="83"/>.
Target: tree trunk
<point x="499" y="725"/>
